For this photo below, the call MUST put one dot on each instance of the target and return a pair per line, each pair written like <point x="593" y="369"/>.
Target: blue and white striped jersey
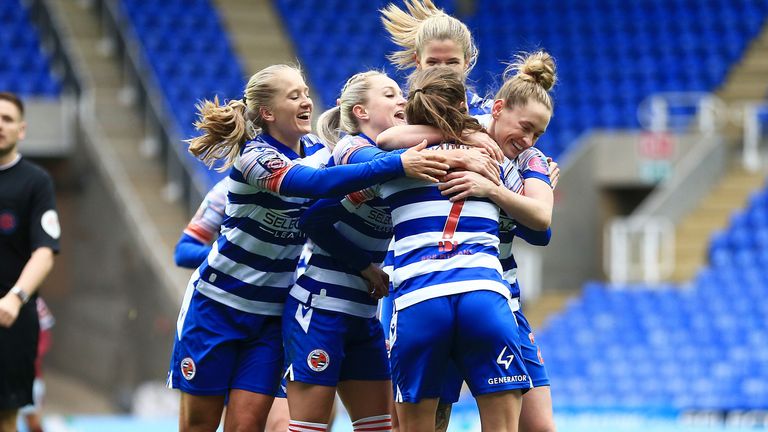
<point x="335" y="286"/>
<point x="531" y="163"/>
<point x="251" y="266"/>
<point x="441" y="248"/>
<point x="205" y="224"/>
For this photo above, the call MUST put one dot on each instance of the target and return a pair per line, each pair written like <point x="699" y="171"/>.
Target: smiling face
<point x="289" y="116"/>
<point x="384" y="108"/>
<point x="12" y="129"/>
<point x="517" y="128"/>
<point x="444" y="52"/>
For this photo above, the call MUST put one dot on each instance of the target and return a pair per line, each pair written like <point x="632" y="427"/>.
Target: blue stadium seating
<point x="611" y="54"/>
<point x="191" y="55"/>
<point x="700" y="345"/>
<point x="25" y="68"/>
<point x="655" y="45"/>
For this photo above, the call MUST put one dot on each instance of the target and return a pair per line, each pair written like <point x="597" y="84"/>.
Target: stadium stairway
<point x="745" y="82"/>
<point x="257" y="33"/>
<point x="692" y="234"/>
<point x="548" y="303"/>
<point x="123" y="131"/>
<point x="747" y="78"/>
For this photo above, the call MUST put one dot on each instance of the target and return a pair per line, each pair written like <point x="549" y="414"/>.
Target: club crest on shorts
<point x="318" y="360"/>
<point x="188" y="368"/>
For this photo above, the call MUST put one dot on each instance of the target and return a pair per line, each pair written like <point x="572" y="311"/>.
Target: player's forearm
<point x="532" y="237"/>
<point x="398" y="137"/>
<point x="190" y="252"/>
<point x="36" y="270"/>
<point x="532" y="213"/>
<point x="340" y="180"/>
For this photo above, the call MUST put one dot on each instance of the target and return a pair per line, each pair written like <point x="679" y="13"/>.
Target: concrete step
<point x="257" y="33"/>
<point x="745" y="91"/>
<point x="67" y="395"/>
<point x="123" y="126"/>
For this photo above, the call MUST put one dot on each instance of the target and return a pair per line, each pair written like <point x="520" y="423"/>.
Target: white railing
<point x="660" y="112"/>
<point x="753" y="134"/>
<point x="642" y="248"/>
<point x="639" y="249"/>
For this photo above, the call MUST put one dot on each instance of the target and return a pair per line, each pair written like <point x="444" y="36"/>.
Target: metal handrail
<point x="639" y="249"/>
<point x="158" y="114"/>
<point x="753" y="131"/>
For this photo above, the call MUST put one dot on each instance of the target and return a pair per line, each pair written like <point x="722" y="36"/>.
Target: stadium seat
<point x="25" y="67"/>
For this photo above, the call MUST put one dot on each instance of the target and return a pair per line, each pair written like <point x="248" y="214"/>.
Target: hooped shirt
<point x="252" y="264"/>
<point x="329" y="283"/>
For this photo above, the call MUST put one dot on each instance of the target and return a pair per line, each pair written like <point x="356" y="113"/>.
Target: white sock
<point x="300" y="426"/>
<point x="381" y="423"/>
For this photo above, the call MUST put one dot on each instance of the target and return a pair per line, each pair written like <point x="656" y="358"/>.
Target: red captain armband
<point x="357" y="144"/>
<point x="199" y="233"/>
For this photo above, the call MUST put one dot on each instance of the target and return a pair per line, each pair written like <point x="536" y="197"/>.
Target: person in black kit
<point x="29" y="237"/>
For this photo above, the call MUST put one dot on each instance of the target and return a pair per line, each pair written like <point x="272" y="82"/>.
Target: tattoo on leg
<point x="442" y="417"/>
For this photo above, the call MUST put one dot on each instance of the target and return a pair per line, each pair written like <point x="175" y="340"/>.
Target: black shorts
<point x="18" y="350"/>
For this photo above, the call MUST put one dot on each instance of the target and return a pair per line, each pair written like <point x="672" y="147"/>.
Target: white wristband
<point x="20" y="293"/>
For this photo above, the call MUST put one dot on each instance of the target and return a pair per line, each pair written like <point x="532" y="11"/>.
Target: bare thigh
<point x="417" y="417"/>
<point x="500" y="412"/>
<point x="365" y="398"/>
<point x="247" y="411"/>
<point x="310" y="402"/>
<point x="279" y="417"/>
<point x="536" y="415"/>
<point x="200" y="413"/>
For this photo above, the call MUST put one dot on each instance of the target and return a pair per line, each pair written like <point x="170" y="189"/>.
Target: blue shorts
<point x="452" y="385"/>
<point x="219" y="348"/>
<point x="534" y="363"/>
<point x="451" y="390"/>
<point x="324" y="347"/>
<point x="486" y="350"/>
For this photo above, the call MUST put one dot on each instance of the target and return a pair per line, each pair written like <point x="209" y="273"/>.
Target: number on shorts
<point x="447" y="244"/>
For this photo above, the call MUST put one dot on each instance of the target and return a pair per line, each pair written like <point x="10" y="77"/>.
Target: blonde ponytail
<point x="227" y="127"/>
<point x="223" y="129"/>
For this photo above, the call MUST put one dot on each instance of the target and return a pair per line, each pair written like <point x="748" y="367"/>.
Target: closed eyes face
<point x="385" y="106"/>
<point x="517" y="128"/>
<point x="290" y="115"/>
<point x="443" y="52"/>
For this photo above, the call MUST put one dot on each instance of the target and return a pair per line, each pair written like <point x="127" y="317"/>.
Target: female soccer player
<point x="520" y="114"/>
<point x="229" y="339"/>
<point x="446" y="272"/>
<point x="333" y="340"/>
<point x="428" y="37"/>
<point x="193" y="248"/>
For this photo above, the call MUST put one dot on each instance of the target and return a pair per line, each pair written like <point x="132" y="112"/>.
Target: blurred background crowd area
<point x="649" y="303"/>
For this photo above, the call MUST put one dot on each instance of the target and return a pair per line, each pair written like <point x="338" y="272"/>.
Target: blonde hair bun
<point x="537" y="67"/>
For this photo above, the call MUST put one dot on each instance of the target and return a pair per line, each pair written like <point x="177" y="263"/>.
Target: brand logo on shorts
<point x="188" y="368"/>
<point x="505" y="360"/>
<point x="318" y="360"/>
